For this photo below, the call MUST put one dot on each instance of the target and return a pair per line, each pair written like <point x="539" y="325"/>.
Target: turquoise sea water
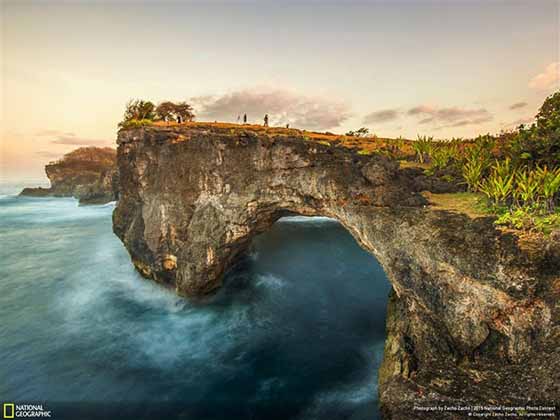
<point x="297" y="332"/>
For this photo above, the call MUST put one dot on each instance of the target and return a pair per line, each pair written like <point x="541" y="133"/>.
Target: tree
<point x="540" y="143"/>
<point x="167" y="111"/>
<point x="185" y="111"/>
<point x="549" y="114"/>
<point x="138" y="109"/>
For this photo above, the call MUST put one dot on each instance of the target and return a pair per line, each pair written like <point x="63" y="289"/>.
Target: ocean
<point x="297" y="332"/>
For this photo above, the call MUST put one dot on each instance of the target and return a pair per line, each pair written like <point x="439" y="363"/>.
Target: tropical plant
<point x="473" y="171"/>
<point x="498" y="186"/>
<point x="422" y="147"/>
<point x="440" y="155"/>
<point x="526" y="186"/>
<point x="549" y="185"/>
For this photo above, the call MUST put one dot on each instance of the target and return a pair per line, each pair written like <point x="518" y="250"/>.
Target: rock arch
<point x="192" y="198"/>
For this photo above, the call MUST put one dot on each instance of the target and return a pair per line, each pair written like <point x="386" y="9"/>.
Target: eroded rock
<point x="467" y="298"/>
<point x="88" y="174"/>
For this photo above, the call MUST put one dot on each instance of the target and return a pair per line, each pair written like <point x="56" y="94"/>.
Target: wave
<point x="270" y="281"/>
<point x="360" y="394"/>
<point x="109" y="204"/>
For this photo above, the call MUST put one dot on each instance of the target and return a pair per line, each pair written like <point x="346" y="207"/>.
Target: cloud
<point x="450" y="116"/>
<point x="50" y="133"/>
<point x="548" y="78"/>
<point x="426" y="120"/>
<point x="282" y="106"/>
<point x="420" y="109"/>
<point x="518" y="105"/>
<point x="70" y="139"/>
<point x="474" y="121"/>
<point x="381" y="116"/>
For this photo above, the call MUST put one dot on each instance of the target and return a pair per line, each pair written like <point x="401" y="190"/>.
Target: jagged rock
<point x="468" y="302"/>
<point x="88" y="174"/>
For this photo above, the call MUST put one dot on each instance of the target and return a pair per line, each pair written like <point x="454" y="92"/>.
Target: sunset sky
<point x="443" y="68"/>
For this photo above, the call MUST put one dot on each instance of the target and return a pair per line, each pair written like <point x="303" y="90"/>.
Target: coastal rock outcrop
<point x="470" y="307"/>
<point x="88" y="174"/>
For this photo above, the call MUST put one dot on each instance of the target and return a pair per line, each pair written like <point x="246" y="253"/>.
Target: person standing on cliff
<point x="244" y="118"/>
<point x="266" y="120"/>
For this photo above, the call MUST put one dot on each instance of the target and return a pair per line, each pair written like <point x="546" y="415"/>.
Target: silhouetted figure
<point x="244" y="118"/>
<point x="179" y="119"/>
<point x="287" y="125"/>
<point x="266" y="120"/>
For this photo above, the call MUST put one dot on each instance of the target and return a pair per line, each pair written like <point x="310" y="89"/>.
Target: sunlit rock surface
<point x="473" y="317"/>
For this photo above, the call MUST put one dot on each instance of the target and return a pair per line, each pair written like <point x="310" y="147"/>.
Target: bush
<point x="540" y="143"/>
<point x="138" y="110"/>
<point x="135" y="123"/>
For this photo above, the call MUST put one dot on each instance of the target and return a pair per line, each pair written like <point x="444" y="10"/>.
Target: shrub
<point x="135" y="123"/>
<point x="138" y="110"/>
<point x="540" y="142"/>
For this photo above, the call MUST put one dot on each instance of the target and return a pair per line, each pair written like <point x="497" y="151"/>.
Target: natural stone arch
<point x="192" y="198"/>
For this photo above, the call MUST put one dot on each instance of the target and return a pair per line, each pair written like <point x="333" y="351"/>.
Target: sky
<point x="454" y="68"/>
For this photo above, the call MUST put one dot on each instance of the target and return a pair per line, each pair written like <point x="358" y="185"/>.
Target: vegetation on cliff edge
<point x="514" y="175"/>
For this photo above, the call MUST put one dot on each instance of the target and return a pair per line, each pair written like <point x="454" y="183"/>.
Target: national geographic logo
<point x="8" y="411"/>
<point x="20" y="411"/>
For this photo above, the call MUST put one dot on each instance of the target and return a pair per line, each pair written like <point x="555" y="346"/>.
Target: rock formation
<point x="88" y="174"/>
<point x="473" y="316"/>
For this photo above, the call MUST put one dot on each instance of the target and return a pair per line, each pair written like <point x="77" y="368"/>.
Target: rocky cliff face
<point x="470" y="308"/>
<point x="88" y="174"/>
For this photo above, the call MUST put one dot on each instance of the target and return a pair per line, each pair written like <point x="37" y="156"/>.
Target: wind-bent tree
<point x="165" y="111"/>
<point x="138" y="109"/>
<point x="181" y="111"/>
<point x="185" y="111"/>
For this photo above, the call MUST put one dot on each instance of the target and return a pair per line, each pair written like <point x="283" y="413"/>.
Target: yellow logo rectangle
<point x="8" y="410"/>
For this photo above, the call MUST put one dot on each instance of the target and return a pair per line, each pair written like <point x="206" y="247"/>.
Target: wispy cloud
<point x="51" y="133"/>
<point x="282" y="106"/>
<point x="384" y="115"/>
<point x="549" y="78"/>
<point x="421" y="109"/>
<point x="450" y="116"/>
<point x="518" y="105"/>
<point x="70" y="139"/>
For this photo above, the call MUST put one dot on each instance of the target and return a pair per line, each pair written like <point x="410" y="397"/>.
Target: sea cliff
<point x="473" y="316"/>
<point x="88" y="174"/>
